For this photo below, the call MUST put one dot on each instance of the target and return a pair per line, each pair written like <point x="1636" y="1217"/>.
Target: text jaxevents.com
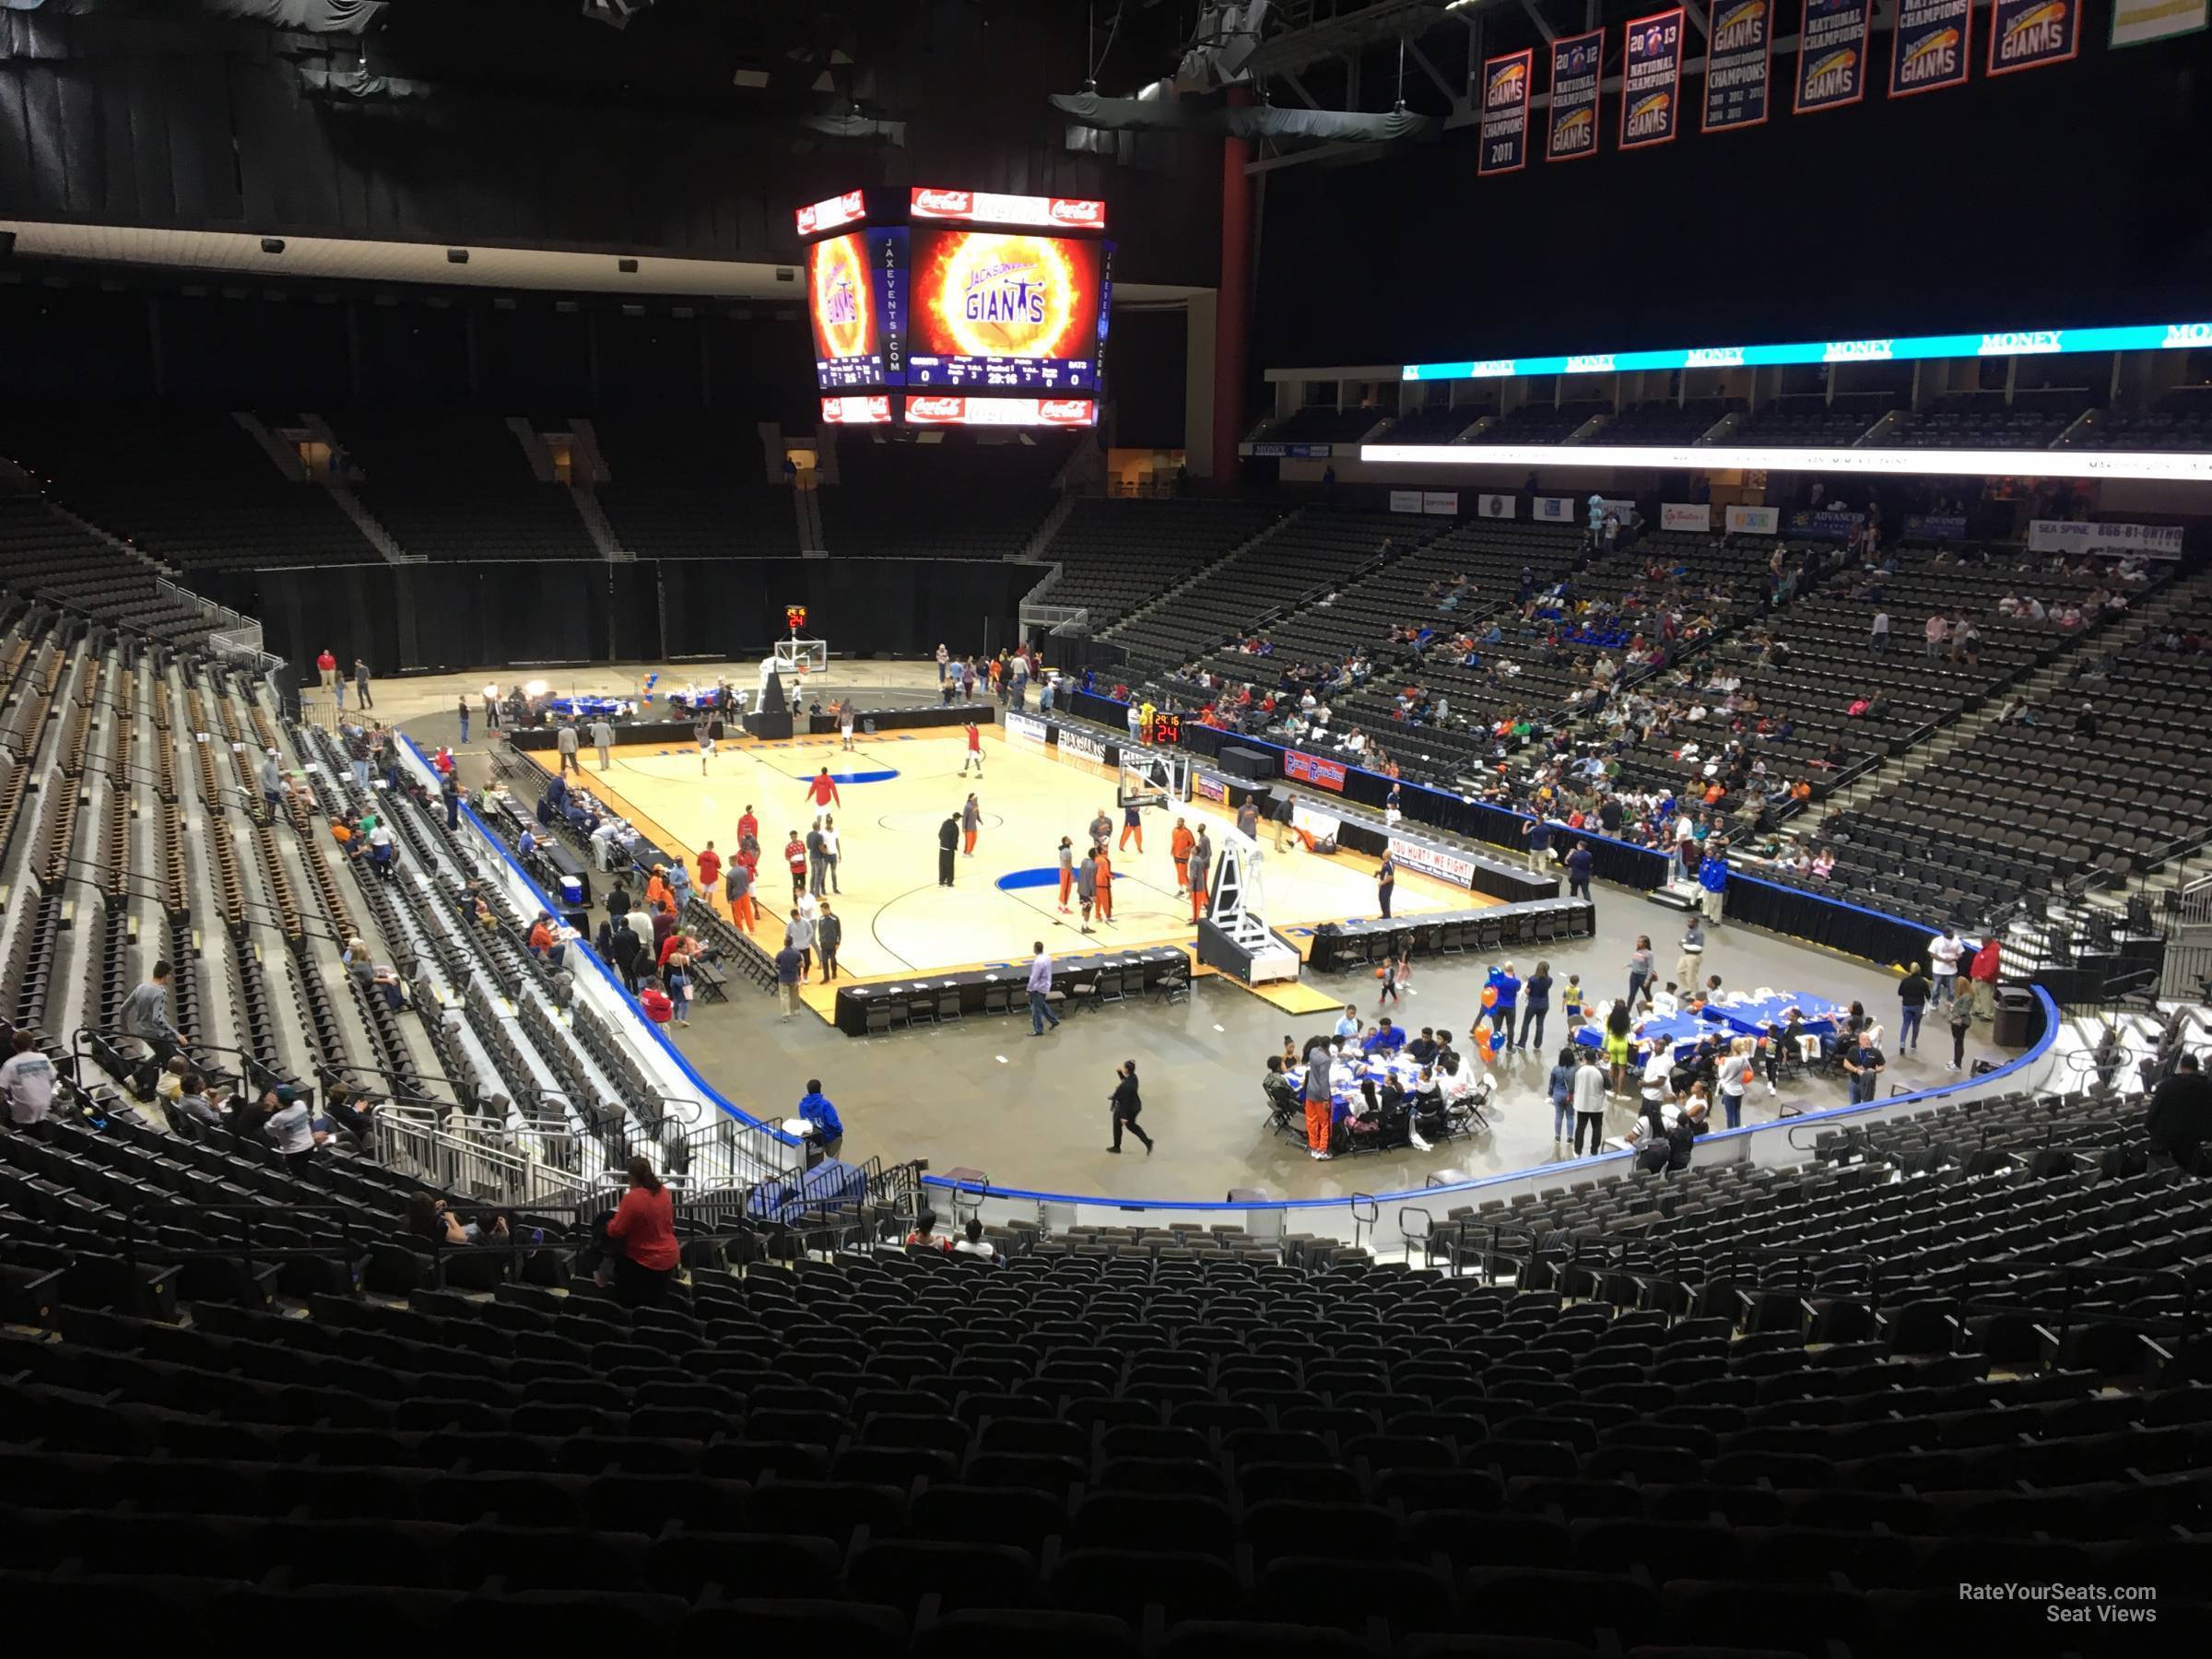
<point x="2075" y="1603"/>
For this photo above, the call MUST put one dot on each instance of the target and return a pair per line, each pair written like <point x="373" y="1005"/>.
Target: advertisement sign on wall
<point x="1433" y="860"/>
<point x="2138" y="22"/>
<point x="1440" y="503"/>
<point x="1685" y="516"/>
<point x="1754" y="521"/>
<point x="1404" y="500"/>
<point x="1314" y="770"/>
<point x="1499" y="506"/>
<point x="2069" y="536"/>
<point x="1555" y="510"/>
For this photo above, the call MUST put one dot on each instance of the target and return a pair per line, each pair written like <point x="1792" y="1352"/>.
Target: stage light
<point x="535" y="688"/>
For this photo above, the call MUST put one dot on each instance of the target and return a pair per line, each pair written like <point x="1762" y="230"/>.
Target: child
<point x="1395" y="973"/>
<point x="1571" y="1001"/>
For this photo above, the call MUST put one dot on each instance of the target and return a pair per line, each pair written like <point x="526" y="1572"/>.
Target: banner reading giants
<point x="1739" y="58"/>
<point x="2028" y="34"/>
<point x="1651" y="81"/>
<point x="1929" y="53"/>
<point x="1505" y="94"/>
<point x="1831" y="53"/>
<point x="1571" y="132"/>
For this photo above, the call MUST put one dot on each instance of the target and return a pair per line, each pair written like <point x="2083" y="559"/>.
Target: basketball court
<point x="896" y="788"/>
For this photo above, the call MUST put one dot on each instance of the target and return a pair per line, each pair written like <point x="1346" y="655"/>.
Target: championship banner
<point x="2028" y="34"/>
<point x="1313" y="768"/>
<point x="1831" y="53"/>
<point x="1576" y="62"/>
<point x="1739" y="64"/>
<point x="1929" y="53"/>
<point x="1499" y="506"/>
<point x="1555" y="509"/>
<point x="1754" y="521"/>
<point x="1651" y="81"/>
<point x="1505" y="94"/>
<point x="1685" y="516"/>
<point x="2139" y="22"/>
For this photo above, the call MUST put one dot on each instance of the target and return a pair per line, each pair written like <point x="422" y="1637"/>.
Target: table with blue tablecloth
<point x="1745" y="1017"/>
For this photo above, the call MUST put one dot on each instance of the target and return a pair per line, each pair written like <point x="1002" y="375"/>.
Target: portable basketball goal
<point x="1152" y="778"/>
<point x="792" y="661"/>
<point x="1235" y="935"/>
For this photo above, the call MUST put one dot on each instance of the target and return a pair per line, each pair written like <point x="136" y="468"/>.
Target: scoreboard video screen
<point x="856" y="300"/>
<point x="1005" y="311"/>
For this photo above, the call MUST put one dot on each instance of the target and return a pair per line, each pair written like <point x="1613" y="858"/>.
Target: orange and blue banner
<point x="1831" y="53"/>
<point x="1577" y="62"/>
<point x="1505" y="97"/>
<point x="1651" y="81"/>
<point x="1930" y="50"/>
<point x="2030" y="34"/>
<point x="1739" y="64"/>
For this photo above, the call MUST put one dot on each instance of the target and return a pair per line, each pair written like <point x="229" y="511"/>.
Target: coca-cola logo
<point x="935" y="408"/>
<point x="1068" y="211"/>
<point x="1065" y="409"/>
<point x="943" y="201"/>
<point x="807" y="218"/>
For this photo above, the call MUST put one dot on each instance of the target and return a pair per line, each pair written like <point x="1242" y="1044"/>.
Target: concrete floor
<point x="1031" y="1112"/>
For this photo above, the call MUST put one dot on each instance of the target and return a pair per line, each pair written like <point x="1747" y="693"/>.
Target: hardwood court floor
<point x="897" y="787"/>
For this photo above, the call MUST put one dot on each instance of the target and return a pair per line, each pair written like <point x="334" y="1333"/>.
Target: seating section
<point x="460" y="486"/>
<point x="692" y="488"/>
<point x="1783" y="1410"/>
<point x="1986" y="420"/>
<point x="954" y="500"/>
<point x="1302" y="557"/>
<point x="1808" y="420"/>
<point x="1541" y="423"/>
<point x="46" y="555"/>
<point x="1321" y="423"/>
<point x="2028" y="804"/>
<point x="1117" y="556"/>
<point x="1436" y="423"/>
<point x="192" y="491"/>
<point x="1668" y="422"/>
<point x="2183" y="420"/>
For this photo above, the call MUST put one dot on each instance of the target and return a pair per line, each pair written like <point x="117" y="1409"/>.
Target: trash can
<point x="2016" y="1017"/>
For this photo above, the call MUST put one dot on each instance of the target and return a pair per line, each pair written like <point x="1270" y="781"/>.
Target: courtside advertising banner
<point x="1831" y="53"/>
<point x="1754" y="521"/>
<point x="1739" y="64"/>
<point x="1321" y="825"/>
<point x="2028" y="34"/>
<point x="1433" y="860"/>
<point x="1313" y="768"/>
<point x="1651" y="81"/>
<point x="1929" y="51"/>
<point x="2139" y="22"/>
<point x="1505" y="94"/>
<point x="1082" y="743"/>
<point x="1571" y="132"/>
<point x="1023" y="725"/>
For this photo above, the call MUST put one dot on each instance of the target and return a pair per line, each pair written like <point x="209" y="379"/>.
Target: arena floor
<point x="896" y="789"/>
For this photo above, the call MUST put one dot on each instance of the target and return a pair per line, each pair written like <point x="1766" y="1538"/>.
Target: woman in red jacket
<point x="642" y="1230"/>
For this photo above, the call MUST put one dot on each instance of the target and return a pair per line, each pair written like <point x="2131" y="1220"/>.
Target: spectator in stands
<point x="1912" y="993"/>
<point x="659" y="1007"/>
<point x="825" y="1128"/>
<point x="193" y="1107"/>
<point x="925" y="1235"/>
<point x="433" y="1218"/>
<point x="292" y="1129"/>
<point x="26" y="1083"/>
<point x="145" y="1015"/>
<point x="975" y="1245"/>
<point x="642" y="1230"/>
<point x="2179" y="1120"/>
